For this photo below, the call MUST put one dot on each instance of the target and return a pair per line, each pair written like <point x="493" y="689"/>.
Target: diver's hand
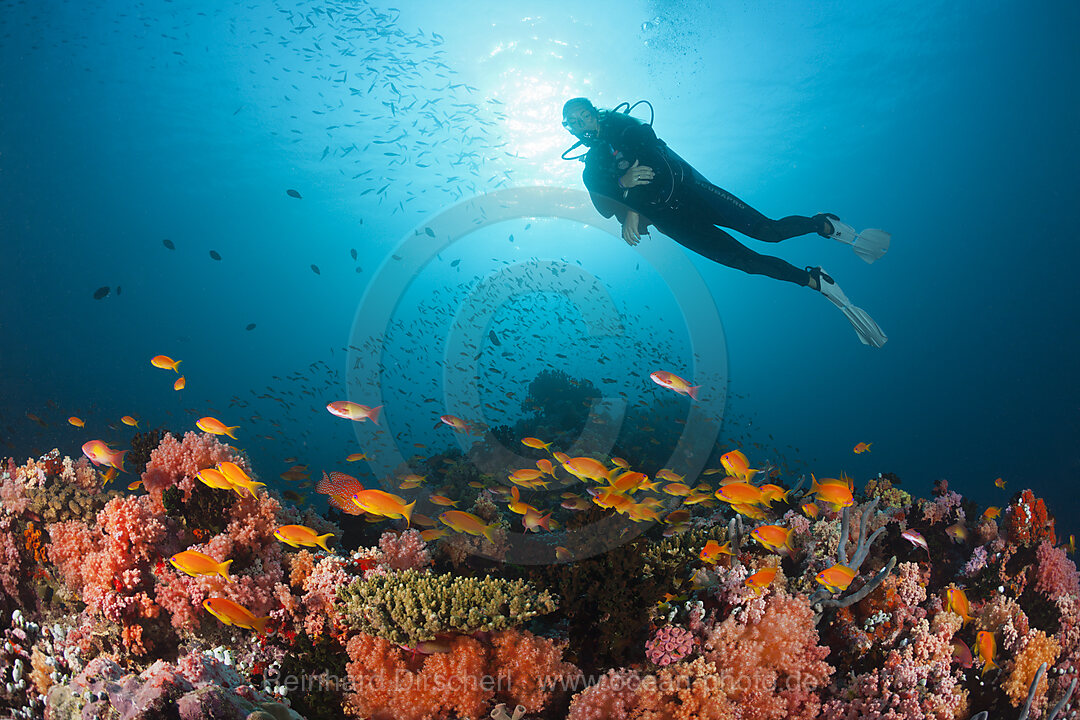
<point x="630" y="228"/>
<point x="636" y="175"/>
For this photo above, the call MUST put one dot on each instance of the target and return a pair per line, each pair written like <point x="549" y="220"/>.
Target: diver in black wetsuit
<point x="635" y="176"/>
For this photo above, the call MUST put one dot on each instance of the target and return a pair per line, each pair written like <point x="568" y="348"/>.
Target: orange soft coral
<point x="1038" y="649"/>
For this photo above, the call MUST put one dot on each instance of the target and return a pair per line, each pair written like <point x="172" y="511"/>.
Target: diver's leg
<point x="731" y="212"/>
<point x="718" y="246"/>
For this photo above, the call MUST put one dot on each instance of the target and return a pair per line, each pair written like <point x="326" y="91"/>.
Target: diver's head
<point x="582" y="120"/>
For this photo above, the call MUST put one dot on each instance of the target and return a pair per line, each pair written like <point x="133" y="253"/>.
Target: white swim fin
<point x="868" y="331"/>
<point x="870" y="244"/>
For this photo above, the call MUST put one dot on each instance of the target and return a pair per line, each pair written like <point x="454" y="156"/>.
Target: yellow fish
<point x="195" y="563"/>
<point x="356" y="456"/>
<point x="297" y="535"/>
<point x="129" y="421"/>
<point x="535" y="443"/>
<point x="231" y="613"/>
<point x="862" y="447"/>
<point x="77" y="422"/>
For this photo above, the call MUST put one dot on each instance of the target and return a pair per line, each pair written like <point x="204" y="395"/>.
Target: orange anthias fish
<point x="349" y="410"/>
<point x="231" y="613"/>
<point x="165" y="363"/>
<point x="761" y="579"/>
<point x="546" y="467"/>
<point x="991" y="513"/>
<point x="739" y="493"/>
<point x="957" y="602"/>
<point x="713" y="550"/>
<point x="213" y="478"/>
<point x="737" y="465"/>
<point x="836" y="578"/>
<point x="129" y="421"/>
<point x="677" y="489"/>
<point x="466" y="522"/>
<point x="810" y="508"/>
<point x="525" y="474"/>
<point x="301" y="535"/>
<point x="340" y="487"/>
<point x="586" y="468"/>
<point x="773" y="537"/>
<point x="215" y="427"/>
<point x="77" y="422"/>
<point x="444" y="501"/>
<point x="195" y="563"/>
<point x="987" y="646"/>
<point x="384" y="504"/>
<point x="535" y="443"/>
<point x="862" y="447"/>
<point x="1000" y="483"/>
<point x="101" y="454"/>
<point x="180" y="383"/>
<point x="534" y="521"/>
<point x="671" y="381"/>
<point x="836" y="494"/>
<point x="356" y="456"/>
<point x="238" y="479"/>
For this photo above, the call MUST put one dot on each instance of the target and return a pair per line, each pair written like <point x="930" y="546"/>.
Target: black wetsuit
<point x="681" y="203"/>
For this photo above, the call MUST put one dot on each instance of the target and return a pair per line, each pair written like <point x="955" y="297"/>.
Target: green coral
<point x="410" y="606"/>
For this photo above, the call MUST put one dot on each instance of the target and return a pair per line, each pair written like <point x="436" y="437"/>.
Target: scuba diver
<point x="635" y="176"/>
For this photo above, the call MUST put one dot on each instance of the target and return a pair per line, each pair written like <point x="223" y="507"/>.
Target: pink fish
<point x="916" y="539"/>
<point x="352" y="411"/>
<point x="101" y="454"/>
<point x="671" y="381"/>
<point x="961" y="653"/>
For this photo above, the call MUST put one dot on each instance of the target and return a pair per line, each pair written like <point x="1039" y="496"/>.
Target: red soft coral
<point x="1027" y="522"/>
<point x="390" y="684"/>
<point x="109" y="564"/>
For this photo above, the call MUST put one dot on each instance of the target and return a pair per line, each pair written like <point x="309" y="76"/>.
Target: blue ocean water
<point x="952" y="126"/>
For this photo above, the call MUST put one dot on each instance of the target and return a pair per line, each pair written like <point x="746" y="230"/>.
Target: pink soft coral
<point x="176" y="462"/>
<point x="773" y="665"/>
<point x="405" y="550"/>
<point x="1055" y="573"/>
